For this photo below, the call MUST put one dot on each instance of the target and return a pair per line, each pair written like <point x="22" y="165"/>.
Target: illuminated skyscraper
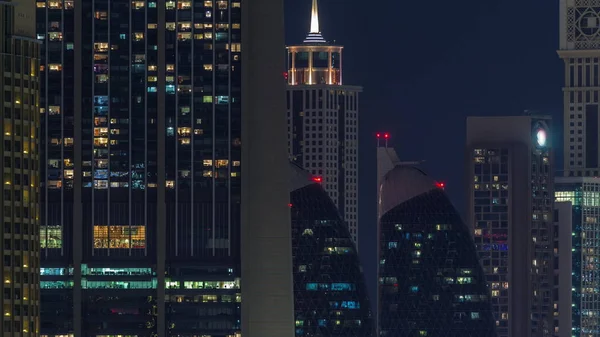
<point x="580" y="50"/>
<point x="19" y="65"/>
<point x="510" y="213"/>
<point x="579" y="312"/>
<point x="323" y="119"/>
<point x="430" y="282"/>
<point x="330" y="294"/>
<point x="142" y="164"/>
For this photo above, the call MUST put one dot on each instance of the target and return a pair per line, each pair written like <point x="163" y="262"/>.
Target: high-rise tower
<point x="510" y="213"/>
<point x="142" y="165"/>
<point x="580" y="51"/>
<point x="430" y="282"/>
<point x="323" y="119"/>
<point x="19" y="113"/>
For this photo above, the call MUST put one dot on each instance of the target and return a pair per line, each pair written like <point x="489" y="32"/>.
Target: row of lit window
<point x="203" y="284"/>
<point x="56" y="4"/>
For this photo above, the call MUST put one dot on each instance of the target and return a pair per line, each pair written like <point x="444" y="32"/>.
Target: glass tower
<point x="140" y="108"/>
<point x="19" y="65"/>
<point x="430" y="279"/>
<point x="583" y="193"/>
<point x="330" y="295"/>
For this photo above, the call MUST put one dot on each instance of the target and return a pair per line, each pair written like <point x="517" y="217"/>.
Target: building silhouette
<point x="330" y="294"/>
<point x="19" y="110"/>
<point x="511" y="215"/>
<point x="430" y="279"/>
<point x="141" y="169"/>
<point x="322" y="117"/>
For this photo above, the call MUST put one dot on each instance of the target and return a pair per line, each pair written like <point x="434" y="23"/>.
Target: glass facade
<point x="19" y="112"/>
<point x="584" y="195"/>
<point x="430" y="279"/>
<point x="140" y="107"/>
<point x="330" y="296"/>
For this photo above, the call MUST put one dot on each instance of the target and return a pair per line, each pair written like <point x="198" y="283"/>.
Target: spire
<point x="314" y="36"/>
<point x="314" y="18"/>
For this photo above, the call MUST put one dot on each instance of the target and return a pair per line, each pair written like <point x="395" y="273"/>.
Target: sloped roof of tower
<point x="401" y="184"/>
<point x="314" y="36"/>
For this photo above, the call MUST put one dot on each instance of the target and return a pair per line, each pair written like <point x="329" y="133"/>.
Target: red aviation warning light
<point x="285" y="75"/>
<point x="440" y="184"/>
<point x="317" y="179"/>
<point x="386" y="135"/>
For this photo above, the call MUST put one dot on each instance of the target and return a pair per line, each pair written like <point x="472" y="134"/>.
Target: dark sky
<point x="427" y="65"/>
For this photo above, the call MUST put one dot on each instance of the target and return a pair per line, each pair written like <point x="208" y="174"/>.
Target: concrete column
<point x="266" y="255"/>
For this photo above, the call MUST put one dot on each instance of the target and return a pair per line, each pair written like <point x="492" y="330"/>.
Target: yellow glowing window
<point x="101" y="47"/>
<point x="170" y="184"/>
<point x="207" y="3"/>
<point x="138" y="36"/>
<point x="198" y="131"/>
<point x="170" y="5"/>
<point x="170" y="67"/>
<point x="207" y="99"/>
<point x="235" y="25"/>
<point x="170" y="26"/>
<point x="184" y="4"/>
<point x="208" y="67"/>
<point x="184" y="36"/>
<point x="222" y="163"/>
<point x="236" y="163"/>
<point x="55" y="67"/>
<point x="138" y="4"/>
<point x="119" y="237"/>
<point x="152" y="68"/>
<point x="184" y="141"/>
<point x="198" y="36"/>
<point x="184" y="131"/>
<point x="236" y="47"/>
<point x="235" y="5"/>
<point x="41" y="5"/>
<point x="185" y="26"/>
<point x="55" y="4"/>
<point x="207" y="162"/>
<point x="208" y="35"/>
<point x="198" y="25"/>
<point x="170" y="79"/>
<point x="152" y="78"/>
<point x="222" y="4"/>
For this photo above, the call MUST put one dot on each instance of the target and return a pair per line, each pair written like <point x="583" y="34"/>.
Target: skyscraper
<point x="323" y="119"/>
<point x="580" y="51"/>
<point x="510" y="212"/>
<point x="330" y="294"/>
<point x="581" y="258"/>
<point x="142" y="161"/>
<point x="430" y="280"/>
<point x="19" y="64"/>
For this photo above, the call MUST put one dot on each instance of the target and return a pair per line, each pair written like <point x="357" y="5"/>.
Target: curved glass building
<point x="330" y="296"/>
<point x="430" y="280"/>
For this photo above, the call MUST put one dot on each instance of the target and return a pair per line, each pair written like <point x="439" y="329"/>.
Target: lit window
<point x="184" y="5"/>
<point x="152" y="26"/>
<point x="138" y="4"/>
<point x="152" y="78"/>
<point x="207" y="99"/>
<point x="138" y="36"/>
<point x="55" y="67"/>
<point x="208" y="67"/>
<point x="184" y="36"/>
<point x="100" y="15"/>
<point x="55" y="36"/>
<point x="41" y="5"/>
<point x="170" y="67"/>
<point x="55" y="4"/>
<point x="170" y="5"/>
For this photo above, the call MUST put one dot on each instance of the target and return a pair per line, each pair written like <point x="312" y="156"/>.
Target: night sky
<point x="427" y="65"/>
